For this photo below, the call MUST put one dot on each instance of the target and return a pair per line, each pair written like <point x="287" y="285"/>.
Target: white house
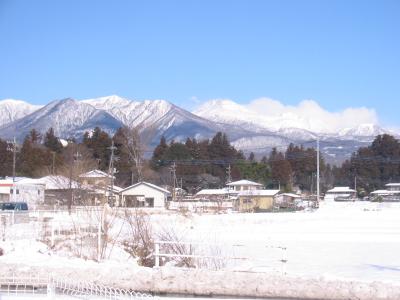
<point x="95" y="177"/>
<point x="23" y="190"/>
<point x="340" y="193"/>
<point x="394" y="187"/>
<point x="244" y="185"/>
<point x="144" y="194"/>
<point x="391" y="193"/>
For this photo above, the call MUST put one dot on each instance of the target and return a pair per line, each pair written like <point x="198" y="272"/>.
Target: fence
<point x="197" y="255"/>
<point x="53" y="287"/>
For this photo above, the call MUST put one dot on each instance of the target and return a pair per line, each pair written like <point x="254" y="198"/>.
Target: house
<point x="393" y="187"/>
<point x="22" y="190"/>
<point x="287" y="200"/>
<point x="244" y="185"/>
<point x="391" y="193"/>
<point x="95" y="178"/>
<point x="256" y="200"/>
<point x="104" y="195"/>
<point x="144" y="194"/>
<point x="340" y="193"/>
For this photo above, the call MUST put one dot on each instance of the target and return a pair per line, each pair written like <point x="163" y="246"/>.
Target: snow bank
<point x="213" y="283"/>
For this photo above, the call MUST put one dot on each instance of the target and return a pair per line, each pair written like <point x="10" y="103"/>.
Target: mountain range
<point x="246" y="129"/>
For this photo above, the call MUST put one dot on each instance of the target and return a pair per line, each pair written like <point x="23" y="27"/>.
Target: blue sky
<point x="339" y="53"/>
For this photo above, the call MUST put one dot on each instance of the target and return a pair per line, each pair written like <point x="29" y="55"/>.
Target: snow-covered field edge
<point x="168" y="280"/>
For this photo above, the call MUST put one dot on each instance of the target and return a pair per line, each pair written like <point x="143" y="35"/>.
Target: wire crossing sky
<point x="339" y="53"/>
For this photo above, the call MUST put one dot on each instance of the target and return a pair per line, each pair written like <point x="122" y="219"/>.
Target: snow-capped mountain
<point x="286" y="123"/>
<point x="68" y="117"/>
<point x="160" y="117"/>
<point x="363" y="130"/>
<point x="71" y="118"/>
<point x="132" y="113"/>
<point x="11" y="110"/>
<point x="248" y="130"/>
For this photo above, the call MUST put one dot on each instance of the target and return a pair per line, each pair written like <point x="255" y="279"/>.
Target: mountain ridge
<point x="247" y="131"/>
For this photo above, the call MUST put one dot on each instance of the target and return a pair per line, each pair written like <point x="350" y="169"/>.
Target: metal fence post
<point x="157" y="254"/>
<point x="284" y="260"/>
<point x="52" y="234"/>
<point x="98" y="241"/>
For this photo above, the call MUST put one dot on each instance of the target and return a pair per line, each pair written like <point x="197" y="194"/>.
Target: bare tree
<point x="140" y="243"/>
<point x="131" y="142"/>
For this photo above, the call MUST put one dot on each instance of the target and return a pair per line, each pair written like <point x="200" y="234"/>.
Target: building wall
<point x="31" y="194"/>
<point x="147" y="192"/>
<point x="100" y="181"/>
<point x="246" y="187"/>
<point x="255" y="203"/>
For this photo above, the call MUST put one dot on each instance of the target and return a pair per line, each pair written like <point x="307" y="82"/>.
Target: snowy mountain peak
<point x="107" y="102"/>
<point x="11" y="110"/>
<point x="363" y="130"/>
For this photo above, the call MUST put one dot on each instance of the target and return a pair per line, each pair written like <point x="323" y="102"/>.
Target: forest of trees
<point x="201" y="164"/>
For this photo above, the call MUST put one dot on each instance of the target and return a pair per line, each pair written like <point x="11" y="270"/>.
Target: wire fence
<point x="53" y="287"/>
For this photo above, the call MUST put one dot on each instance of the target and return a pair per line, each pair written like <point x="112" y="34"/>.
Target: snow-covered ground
<point x="340" y="241"/>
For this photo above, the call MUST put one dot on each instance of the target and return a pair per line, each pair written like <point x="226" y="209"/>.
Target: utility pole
<point x="228" y="174"/>
<point x="317" y="171"/>
<point x="13" y="148"/>
<point x="111" y="173"/>
<point x="173" y="171"/>
<point x="14" y="157"/>
<point x="355" y="183"/>
<point x="74" y="159"/>
<point x="53" y="172"/>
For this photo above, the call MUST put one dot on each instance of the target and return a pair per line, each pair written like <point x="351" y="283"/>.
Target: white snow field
<point x="340" y="251"/>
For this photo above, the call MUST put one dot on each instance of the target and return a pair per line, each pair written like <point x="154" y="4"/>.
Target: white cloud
<point x="273" y="114"/>
<point x="308" y="114"/>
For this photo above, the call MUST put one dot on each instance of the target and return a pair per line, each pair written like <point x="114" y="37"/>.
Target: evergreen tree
<point x="33" y="156"/>
<point x="52" y="142"/>
<point x="99" y="143"/>
<point x="281" y="170"/>
<point x="6" y="159"/>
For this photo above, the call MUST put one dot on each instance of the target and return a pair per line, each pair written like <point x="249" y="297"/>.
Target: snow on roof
<point x="291" y="195"/>
<point x="27" y="180"/>
<point x="259" y="193"/>
<point x="57" y="182"/>
<point x="385" y="192"/>
<point x="392" y="184"/>
<point x="94" y="174"/>
<point x="98" y="190"/>
<point x="148" y="184"/>
<point x="244" y="182"/>
<point x="212" y="192"/>
<point x="341" y="189"/>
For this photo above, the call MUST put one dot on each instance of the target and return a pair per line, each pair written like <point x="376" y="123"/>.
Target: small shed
<point x="340" y="193"/>
<point x="287" y="200"/>
<point x="144" y="194"/>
